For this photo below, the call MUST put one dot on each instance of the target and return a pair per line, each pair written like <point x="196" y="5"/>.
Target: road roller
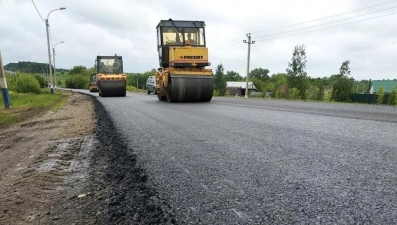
<point x="93" y="82"/>
<point x="183" y="75"/>
<point x="110" y="78"/>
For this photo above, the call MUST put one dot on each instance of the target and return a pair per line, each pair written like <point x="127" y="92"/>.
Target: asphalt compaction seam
<point x="129" y="199"/>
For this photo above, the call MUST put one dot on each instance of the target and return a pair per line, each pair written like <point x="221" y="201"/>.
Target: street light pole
<point x="48" y="45"/>
<point x="53" y="55"/>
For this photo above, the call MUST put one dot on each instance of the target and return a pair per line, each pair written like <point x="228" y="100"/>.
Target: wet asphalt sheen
<point x="250" y="161"/>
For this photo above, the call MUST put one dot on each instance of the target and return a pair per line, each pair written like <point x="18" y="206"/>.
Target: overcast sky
<point x="128" y="28"/>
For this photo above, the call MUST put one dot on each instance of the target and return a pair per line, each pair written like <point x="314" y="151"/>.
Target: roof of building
<point x="388" y="85"/>
<point x="235" y="84"/>
<point x="10" y="72"/>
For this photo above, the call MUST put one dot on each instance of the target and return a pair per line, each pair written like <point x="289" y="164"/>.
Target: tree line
<point x="31" y="67"/>
<point x="78" y="77"/>
<point x="295" y="83"/>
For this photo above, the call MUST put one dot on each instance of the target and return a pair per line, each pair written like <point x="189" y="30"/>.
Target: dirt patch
<point x="71" y="166"/>
<point x="39" y="159"/>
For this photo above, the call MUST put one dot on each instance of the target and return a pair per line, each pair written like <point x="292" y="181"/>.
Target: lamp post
<point x="53" y="55"/>
<point x="48" y="45"/>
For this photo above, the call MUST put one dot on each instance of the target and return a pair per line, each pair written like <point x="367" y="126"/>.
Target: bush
<point x="215" y="93"/>
<point x="277" y="94"/>
<point x="320" y="94"/>
<point x="294" y="93"/>
<point x="342" y="88"/>
<point x="381" y="95"/>
<point x="26" y="84"/>
<point x="41" y="80"/>
<point x="312" y="93"/>
<point x="77" y="81"/>
<point x="328" y="95"/>
<point x="131" y="88"/>
<point x="393" y="97"/>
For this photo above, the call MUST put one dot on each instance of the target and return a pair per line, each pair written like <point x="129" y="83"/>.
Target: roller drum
<point x="191" y="88"/>
<point x="113" y="88"/>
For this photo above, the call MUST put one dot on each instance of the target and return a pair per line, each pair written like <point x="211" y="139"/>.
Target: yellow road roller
<point x="183" y="75"/>
<point x="93" y="82"/>
<point x="110" y="78"/>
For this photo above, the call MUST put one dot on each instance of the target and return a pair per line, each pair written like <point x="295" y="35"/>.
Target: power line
<point x="228" y="44"/>
<point x="322" y="18"/>
<point x="220" y="49"/>
<point x="38" y="12"/>
<point x="329" y="27"/>
<point x="217" y="54"/>
<point x="326" y="23"/>
<point x="235" y="42"/>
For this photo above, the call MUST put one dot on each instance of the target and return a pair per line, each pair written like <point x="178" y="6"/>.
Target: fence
<point x="368" y="98"/>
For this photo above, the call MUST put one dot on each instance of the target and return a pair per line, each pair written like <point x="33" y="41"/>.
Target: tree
<point x="79" y="70"/>
<point x="319" y="84"/>
<point x="393" y="97"/>
<point x="381" y="95"/>
<point x="132" y="78"/>
<point x="362" y="86"/>
<point x="90" y="70"/>
<point x="296" y="71"/>
<point x="259" y="84"/>
<point x="279" y="86"/>
<point x="260" y="77"/>
<point x="27" y="67"/>
<point x="220" y="80"/>
<point x="233" y="76"/>
<point x="345" y="68"/>
<point x="261" y="74"/>
<point x="342" y="84"/>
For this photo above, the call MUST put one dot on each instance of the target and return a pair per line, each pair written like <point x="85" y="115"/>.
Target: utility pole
<point x="3" y="86"/>
<point x="249" y="42"/>
<point x="49" y="56"/>
<point x="55" y="72"/>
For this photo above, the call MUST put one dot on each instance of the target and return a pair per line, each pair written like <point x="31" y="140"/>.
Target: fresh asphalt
<point x="254" y="161"/>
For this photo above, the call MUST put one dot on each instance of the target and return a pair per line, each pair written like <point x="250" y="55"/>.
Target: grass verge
<point x="27" y="105"/>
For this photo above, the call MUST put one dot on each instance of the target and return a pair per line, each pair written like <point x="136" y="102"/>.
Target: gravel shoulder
<point x="71" y="167"/>
<point x="40" y="157"/>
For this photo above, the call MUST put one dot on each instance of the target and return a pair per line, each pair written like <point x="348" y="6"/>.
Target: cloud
<point x="128" y="28"/>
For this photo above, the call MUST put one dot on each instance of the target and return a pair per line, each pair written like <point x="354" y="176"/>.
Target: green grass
<point x="28" y="105"/>
<point x="134" y="90"/>
<point x="61" y="78"/>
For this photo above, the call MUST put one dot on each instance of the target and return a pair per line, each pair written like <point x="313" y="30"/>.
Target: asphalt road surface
<point x="252" y="161"/>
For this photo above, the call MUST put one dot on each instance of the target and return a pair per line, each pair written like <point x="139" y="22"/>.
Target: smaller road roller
<point x="110" y="79"/>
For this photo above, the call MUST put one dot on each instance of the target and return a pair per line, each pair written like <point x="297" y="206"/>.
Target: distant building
<point x="388" y="86"/>
<point x="238" y="88"/>
<point x="10" y="72"/>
